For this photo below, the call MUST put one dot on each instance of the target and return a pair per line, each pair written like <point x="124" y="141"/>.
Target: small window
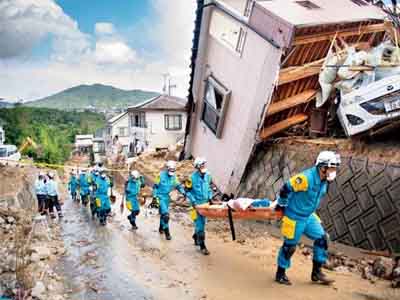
<point x="308" y="4"/>
<point x="123" y="131"/>
<point x="215" y="105"/>
<point x="173" y="122"/>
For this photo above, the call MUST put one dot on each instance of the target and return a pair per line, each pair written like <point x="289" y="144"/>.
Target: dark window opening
<point x="308" y="4"/>
<point x="215" y="103"/>
<point x="138" y="120"/>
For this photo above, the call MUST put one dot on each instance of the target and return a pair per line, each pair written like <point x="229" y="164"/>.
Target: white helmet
<point x="171" y="165"/>
<point x="328" y="159"/>
<point x="73" y="172"/>
<point x="135" y="174"/>
<point x="51" y="175"/>
<point x="41" y="173"/>
<point x="199" y="162"/>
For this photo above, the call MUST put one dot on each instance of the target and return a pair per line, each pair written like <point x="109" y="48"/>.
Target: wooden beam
<point x="295" y="73"/>
<point x="290" y="74"/>
<point x="359" y="30"/>
<point x="282" y="125"/>
<point x="289" y="102"/>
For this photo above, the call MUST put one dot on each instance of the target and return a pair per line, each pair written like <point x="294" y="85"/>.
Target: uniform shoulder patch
<point x="157" y="181"/>
<point x="188" y="183"/>
<point x="299" y="183"/>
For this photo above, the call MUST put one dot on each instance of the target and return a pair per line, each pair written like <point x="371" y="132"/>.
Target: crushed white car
<point x="370" y="106"/>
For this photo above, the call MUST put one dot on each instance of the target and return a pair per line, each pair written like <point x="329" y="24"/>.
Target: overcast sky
<point x="49" y="45"/>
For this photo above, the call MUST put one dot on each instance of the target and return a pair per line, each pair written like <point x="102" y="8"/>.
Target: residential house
<point x="117" y="126"/>
<point x="158" y="122"/>
<point x="83" y="143"/>
<point x="255" y="67"/>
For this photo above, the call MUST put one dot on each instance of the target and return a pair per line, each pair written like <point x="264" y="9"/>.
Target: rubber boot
<point x="133" y="223"/>
<point x="281" y="277"/>
<point x="204" y="249"/>
<point x="318" y="277"/>
<point x="195" y="238"/>
<point x="167" y="234"/>
<point x="160" y="229"/>
<point x="202" y="244"/>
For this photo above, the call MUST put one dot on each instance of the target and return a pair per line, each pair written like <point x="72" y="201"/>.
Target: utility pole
<point x="165" y="88"/>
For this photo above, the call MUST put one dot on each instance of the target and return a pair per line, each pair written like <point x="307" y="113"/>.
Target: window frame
<point x="123" y="133"/>
<point x="141" y="115"/>
<point x="167" y="122"/>
<point x="226" y="95"/>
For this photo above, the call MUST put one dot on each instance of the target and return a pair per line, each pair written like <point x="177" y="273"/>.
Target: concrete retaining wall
<point x="362" y="207"/>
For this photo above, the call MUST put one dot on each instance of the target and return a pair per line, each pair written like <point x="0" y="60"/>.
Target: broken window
<point x="308" y="4"/>
<point x="173" y="122"/>
<point x="216" y="100"/>
<point x="228" y="32"/>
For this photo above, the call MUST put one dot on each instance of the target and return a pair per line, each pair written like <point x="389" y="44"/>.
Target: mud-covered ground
<point x="114" y="262"/>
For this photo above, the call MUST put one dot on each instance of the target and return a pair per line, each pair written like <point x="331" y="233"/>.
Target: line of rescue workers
<point x="298" y="200"/>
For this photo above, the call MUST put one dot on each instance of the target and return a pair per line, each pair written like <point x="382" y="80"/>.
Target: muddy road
<point x="114" y="262"/>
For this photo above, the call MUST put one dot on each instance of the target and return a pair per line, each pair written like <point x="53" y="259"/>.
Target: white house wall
<point x="250" y="77"/>
<point x="115" y="130"/>
<point x="158" y="136"/>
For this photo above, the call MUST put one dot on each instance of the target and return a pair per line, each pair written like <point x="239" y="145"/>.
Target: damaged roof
<point x="162" y="102"/>
<point x="306" y="13"/>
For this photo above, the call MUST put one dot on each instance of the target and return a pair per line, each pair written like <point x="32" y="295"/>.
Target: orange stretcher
<point x="217" y="211"/>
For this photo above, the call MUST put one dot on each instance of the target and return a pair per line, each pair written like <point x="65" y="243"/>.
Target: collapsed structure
<point x="259" y="72"/>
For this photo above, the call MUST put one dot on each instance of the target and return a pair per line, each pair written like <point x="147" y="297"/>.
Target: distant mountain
<point x="96" y="96"/>
<point x="5" y="104"/>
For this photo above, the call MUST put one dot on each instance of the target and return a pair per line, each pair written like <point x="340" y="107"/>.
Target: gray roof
<point x="162" y="102"/>
<point x="117" y="117"/>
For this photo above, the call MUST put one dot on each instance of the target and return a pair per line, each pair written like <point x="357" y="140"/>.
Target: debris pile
<point x="28" y="249"/>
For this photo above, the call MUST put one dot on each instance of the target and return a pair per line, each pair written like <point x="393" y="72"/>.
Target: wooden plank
<point x="282" y="125"/>
<point x="295" y="73"/>
<point x="313" y="38"/>
<point x="300" y="98"/>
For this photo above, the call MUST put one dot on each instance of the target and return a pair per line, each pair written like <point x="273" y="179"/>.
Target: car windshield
<point x="3" y="152"/>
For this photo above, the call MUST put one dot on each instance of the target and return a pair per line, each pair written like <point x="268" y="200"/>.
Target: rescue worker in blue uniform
<point x="164" y="184"/>
<point x="93" y="178"/>
<point x="53" y="196"/>
<point x="84" y="187"/>
<point x="73" y="185"/>
<point x="103" y="203"/>
<point x="299" y="198"/>
<point x="199" y="192"/>
<point x="41" y="193"/>
<point x="132" y="190"/>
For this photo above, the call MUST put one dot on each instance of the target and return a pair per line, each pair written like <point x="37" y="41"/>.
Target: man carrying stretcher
<point x="299" y="198"/>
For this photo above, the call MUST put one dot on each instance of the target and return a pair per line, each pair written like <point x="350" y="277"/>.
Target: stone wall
<point x="362" y="207"/>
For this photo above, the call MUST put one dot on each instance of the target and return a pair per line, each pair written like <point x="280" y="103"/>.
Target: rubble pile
<point x="385" y="268"/>
<point x="28" y="250"/>
<point x="27" y="254"/>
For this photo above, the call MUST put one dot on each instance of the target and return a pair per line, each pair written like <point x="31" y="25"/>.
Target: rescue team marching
<point x="297" y="202"/>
